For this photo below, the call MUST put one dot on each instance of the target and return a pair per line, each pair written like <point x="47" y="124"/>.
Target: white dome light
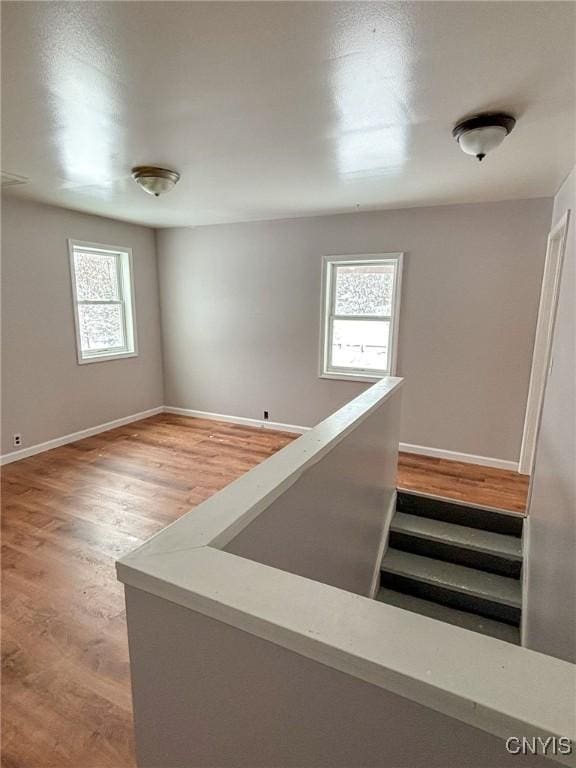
<point x="481" y="134"/>
<point x="155" y="181"/>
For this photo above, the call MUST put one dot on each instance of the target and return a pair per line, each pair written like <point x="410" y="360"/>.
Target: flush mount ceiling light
<point x="155" y="181"/>
<point x="481" y="134"/>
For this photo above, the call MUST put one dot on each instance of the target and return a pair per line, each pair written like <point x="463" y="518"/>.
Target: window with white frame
<point x="102" y="288"/>
<point x="360" y="315"/>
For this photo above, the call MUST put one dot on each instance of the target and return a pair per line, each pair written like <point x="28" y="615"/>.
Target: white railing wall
<point x="254" y="642"/>
<point x="330" y="525"/>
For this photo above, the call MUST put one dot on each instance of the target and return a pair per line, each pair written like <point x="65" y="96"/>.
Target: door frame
<point x="541" y="358"/>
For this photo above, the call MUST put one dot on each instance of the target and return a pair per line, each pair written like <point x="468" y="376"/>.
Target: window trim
<point x="328" y="295"/>
<point x="126" y="289"/>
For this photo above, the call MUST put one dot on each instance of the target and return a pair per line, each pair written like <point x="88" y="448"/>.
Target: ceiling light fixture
<point x="155" y="181"/>
<point x="481" y="134"/>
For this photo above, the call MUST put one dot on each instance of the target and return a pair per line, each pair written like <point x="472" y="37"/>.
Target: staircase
<point x="455" y="562"/>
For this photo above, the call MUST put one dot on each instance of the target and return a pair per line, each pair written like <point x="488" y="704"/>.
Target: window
<point x="361" y="306"/>
<point x="103" y="301"/>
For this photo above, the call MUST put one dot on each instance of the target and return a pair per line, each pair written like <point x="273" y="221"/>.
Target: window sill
<point x="359" y="377"/>
<point x="105" y="358"/>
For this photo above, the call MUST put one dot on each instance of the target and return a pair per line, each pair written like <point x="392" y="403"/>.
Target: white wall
<point x="550" y="611"/>
<point x="45" y="393"/>
<point x="241" y="318"/>
<point x="208" y="694"/>
<point x="241" y="314"/>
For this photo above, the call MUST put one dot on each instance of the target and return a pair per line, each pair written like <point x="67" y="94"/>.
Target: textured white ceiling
<point x="277" y="109"/>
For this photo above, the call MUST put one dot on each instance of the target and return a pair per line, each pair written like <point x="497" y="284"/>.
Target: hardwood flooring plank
<point x="464" y="482"/>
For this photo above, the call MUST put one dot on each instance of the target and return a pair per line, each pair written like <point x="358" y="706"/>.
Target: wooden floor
<point x="465" y="482"/>
<point x="67" y="515"/>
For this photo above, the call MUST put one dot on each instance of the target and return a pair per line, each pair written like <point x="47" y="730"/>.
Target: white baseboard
<point x="236" y="420"/>
<point x="467" y="458"/>
<point x="438" y="453"/>
<point x="24" y="453"/>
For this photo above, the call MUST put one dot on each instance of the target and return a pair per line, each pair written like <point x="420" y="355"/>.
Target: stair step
<point x="458" y="535"/>
<point x="463" y="619"/>
<point x="458" y="586"/>
<point x="485" y="550"/>
<point x="488" y="586"/>
<point x="459" y="513"/>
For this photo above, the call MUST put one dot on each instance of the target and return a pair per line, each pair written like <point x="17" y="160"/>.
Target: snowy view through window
<point x="362" y="291"/>
<point x="100" y="307"/>
<point x="103" y="293"/>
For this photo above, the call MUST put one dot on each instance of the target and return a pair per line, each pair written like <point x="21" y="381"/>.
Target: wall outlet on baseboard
<point x="265" y="415"/>
<point x="16" y="439"/>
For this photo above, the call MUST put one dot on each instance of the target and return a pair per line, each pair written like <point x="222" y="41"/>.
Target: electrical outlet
<point x="265" y="415"/>
<point x="16" y="439"/>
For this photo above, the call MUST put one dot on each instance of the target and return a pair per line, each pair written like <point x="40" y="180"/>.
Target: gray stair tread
<point x="432" y="610"/>
<point x="457" y="578"/>
<point x="458" y="535"/>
